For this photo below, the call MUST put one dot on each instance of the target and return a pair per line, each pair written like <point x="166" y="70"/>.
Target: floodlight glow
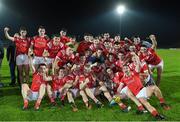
<point x="121" y="9"/>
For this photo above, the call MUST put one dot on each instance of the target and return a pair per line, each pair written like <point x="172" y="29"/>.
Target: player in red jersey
<point x="110" y="61"/>
<point x="86" y="85"/>
<point x="63" y="34"/>
<point x="59" y="88"/>
<point x="38" y="86"/>
<point x="63" y="57"/>
<point x="107" y="47"/>
<point x="96" y="44"/>
<point x="132" y="80"/>
<point x="137" y="42"/>
<point x="53" y="47"/>
<point x="148" y="80"/>
<point x="115" y="79"/>
<point x="38" y="44"/>
<point x="152" y="59"/>
<point x="84" y="45"/>
<point x="22" y="45"/>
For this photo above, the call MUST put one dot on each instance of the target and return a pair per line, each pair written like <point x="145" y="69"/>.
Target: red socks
<point x="52" y="100"/>
<point x="140" y="108"/>
<point x="161" y="100"/>
<point x="123" y="106"/>
<point x="154" y="113"/>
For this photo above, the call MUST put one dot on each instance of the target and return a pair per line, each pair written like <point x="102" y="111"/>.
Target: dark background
<point x="142" y="17"/>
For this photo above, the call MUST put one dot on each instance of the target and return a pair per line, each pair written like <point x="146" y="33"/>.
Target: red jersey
<point x="64" y="58"/>
<point x="119" y="64"/>
<point x="138" y="47"/>
<point x="59" y="83"/>
<point x="117" y="78"/>
<point x="39" y="44"/>
<point x="83" y="46"/>
<point x="95" y="47"/>
<point x="110" y="64"/>
<point x="133" y="82"/>
<point x="37" y="80"/>
<point x="91" y="83"/>
<point x="73" y="76"/>
<point x="22" y="45"/>
<point x="64" y="39"/>
<point x="54" y="49"/>
<point x="151" y="57"/>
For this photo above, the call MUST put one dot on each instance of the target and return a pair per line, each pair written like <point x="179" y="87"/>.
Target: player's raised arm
<point x="154" y="42"/>
<point x="54" y="65"/>
<point x="6" y="29"/>
<point x="136" y="61"/>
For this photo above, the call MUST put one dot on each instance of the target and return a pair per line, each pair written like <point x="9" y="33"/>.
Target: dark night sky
<point x="143" y="17"/>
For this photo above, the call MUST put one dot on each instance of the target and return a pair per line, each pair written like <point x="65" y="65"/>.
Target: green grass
<point x="11" y="100"/>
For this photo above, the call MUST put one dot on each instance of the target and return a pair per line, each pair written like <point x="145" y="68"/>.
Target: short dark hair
<point x="22" y="28"/>
<point x="41" y="27"/>
<point x="64" y="29"/>
<point x="42" y="64"/>
<point x="116" y="43"/>
<point x="61" y="68"/>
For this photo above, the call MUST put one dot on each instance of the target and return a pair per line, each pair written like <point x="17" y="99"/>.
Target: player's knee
<point x="43" y="86"/>
<point x="82" y="93"/>
<point x="104" y="89"/>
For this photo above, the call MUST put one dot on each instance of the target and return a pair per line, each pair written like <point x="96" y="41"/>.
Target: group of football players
<point x="113" y="67"/>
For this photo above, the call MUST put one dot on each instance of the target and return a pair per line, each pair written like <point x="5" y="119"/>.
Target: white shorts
<point x="93" y="90"/>
<point x="33" y="96"/>
<point x="161" y="64"/>
<point x="22" y="59"/>
<point x="74" y="92"/>
<point x="49" y="60"/>
<point x="56" y="94"/>
<point x="124" y="90"/>
<point x="142" y="93"/>
<point x="38" y="60"/>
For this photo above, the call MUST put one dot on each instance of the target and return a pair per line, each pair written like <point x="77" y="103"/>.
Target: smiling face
<point x="69" y="51"/>
<point x="23" y="33"/>
<point x="117" y="38"/>
<point x="63" y="33"/>
<point x="106" y="35"/>
<point x="126" y="70"/>
<point x="61" y="73"/>
<point x="96" y="41"/>
<point x="120" y="56"/>
<point x="143" y="50"/>
<point x="41" y="31"/>
<point x="56" y="40"/>
<point x="109" y="71"/>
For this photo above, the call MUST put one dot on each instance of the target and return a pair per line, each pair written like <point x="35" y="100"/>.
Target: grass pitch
<point x="11" y="101"/>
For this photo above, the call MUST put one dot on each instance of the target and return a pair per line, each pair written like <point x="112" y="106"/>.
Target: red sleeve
<point x="15" y="39"/>
<point x="33" y="39"/>
<point x="68" y="79"/>
<point x="81" y="78"/>
<point x="118" y="77"/>
<point x="59" y="55"/>
<point x="151" y="50"/>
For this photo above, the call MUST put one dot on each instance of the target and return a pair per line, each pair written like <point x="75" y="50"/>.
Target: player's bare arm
<point x="6" y="30"/>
